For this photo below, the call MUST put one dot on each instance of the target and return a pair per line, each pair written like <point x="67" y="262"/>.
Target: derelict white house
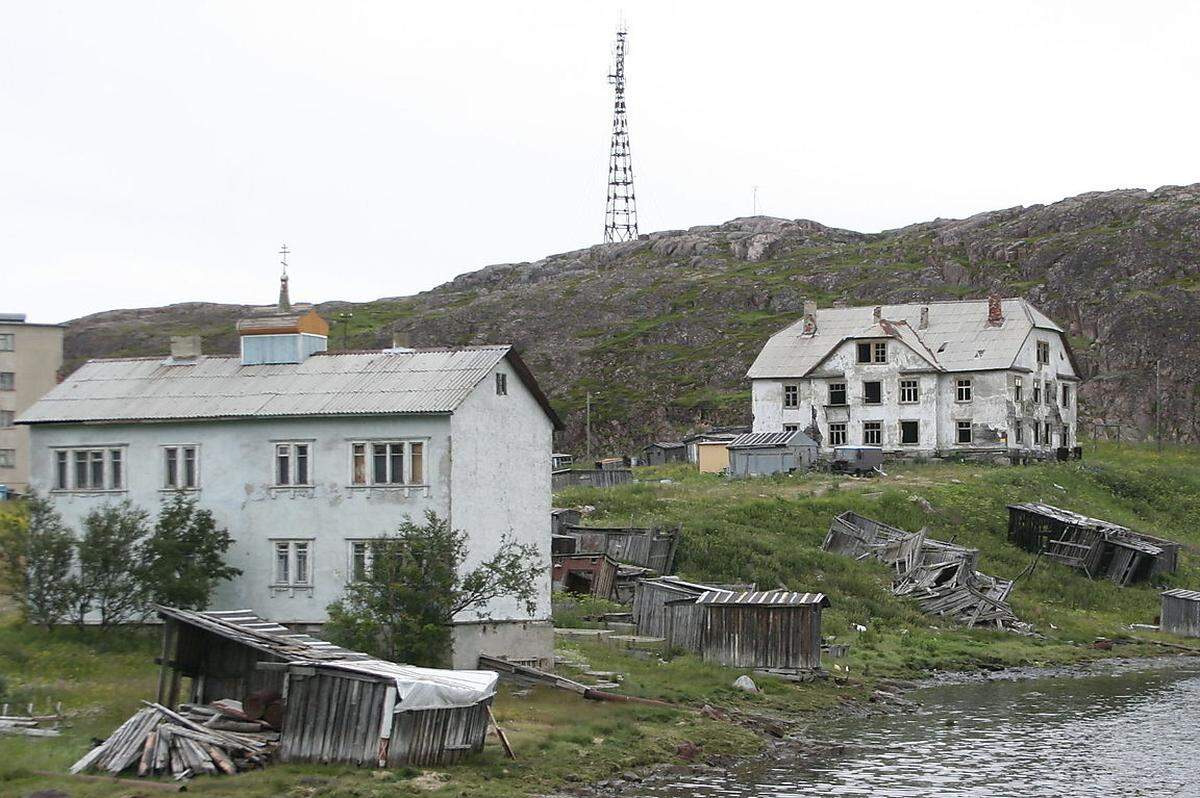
<point x="991" y="376"/>
<point x="305" y="456"/>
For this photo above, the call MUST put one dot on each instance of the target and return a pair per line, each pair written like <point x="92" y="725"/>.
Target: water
<point x="1127" y="731"/>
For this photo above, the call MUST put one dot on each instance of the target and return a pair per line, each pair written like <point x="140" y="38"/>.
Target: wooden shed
<point x="1181" y="612"/>
<point x="773" y="630"/>
<point x="712" y="457"/>
<point x="661" y="452"/>
<point x="588" y="573"/>
<point x="762" y="453"/>
<point x="648" y="547"/>
<point x="337" y="705"/>
<point x="1094" y="546"/>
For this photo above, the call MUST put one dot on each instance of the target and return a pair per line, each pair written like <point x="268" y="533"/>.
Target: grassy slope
<point x="766" y="530"/>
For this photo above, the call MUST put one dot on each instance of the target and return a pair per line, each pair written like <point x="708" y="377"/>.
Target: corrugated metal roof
<point x="762" y="440"/>
<point x="1180" y="593"/>
<point x="958" y="337"/>
<point x="779" y="598"/>
<point x="361" y="383"/>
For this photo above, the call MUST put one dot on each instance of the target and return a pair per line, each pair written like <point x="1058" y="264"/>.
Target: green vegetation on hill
<point x="767" y="530"/>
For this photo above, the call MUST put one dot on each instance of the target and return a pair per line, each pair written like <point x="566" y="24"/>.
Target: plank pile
<point x="158" y="741"/>
<point x="31" y="725"/>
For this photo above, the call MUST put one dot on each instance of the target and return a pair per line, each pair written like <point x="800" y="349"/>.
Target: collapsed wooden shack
<point x="1096" y="547"/>
<point x="775" y="630"/>
<point x="335" y="705"/>
<point x="1180" y="612"/>
<point x="586" y="573"/>
<point x="941" y="577"/>
<point x="646" y="547"/>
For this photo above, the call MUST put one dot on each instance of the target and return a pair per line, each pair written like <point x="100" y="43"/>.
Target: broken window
<point x="1043" y="353"/>
<point x="910" y="392"/>
<point x="910" y="432"/>
<point x="292" y="563"/>
<point x="963" y="390"/>
<point x="864" y="352"/>
<point x="391" y="463"/>
<point x="791" y="396"/>
<point x="872" y="433"/>
<point x="180" y="467"/>
<point x="837" y="434"/>
<point x="1037" y="434"/>
<point x="1046" y="438"/>
<point x="872" y="393"/>
<point x="1019" y="432"/>
<point x="1066" y="396"/>
<point x="964" y="432"/>
<point x="837" y="393"/>
<point x="292" y="464"/>
<point x="501" y="384"/>
<point x="1018" y="389"/>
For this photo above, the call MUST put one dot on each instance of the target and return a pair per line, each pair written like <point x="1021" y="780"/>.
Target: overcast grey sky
<point x="160" y="152"/>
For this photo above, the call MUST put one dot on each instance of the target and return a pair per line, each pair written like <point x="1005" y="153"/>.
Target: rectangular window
<point x="872" y="433"/>
<point x="962" y="390"/>
<point x="292" y="564"/>
<point x="1043" y="353"/>
<point x="1037" y="433"/>
<point x="872" y="393"/>
<point x="501" y="384"/>
<point x="7" y="342"/>
<point x="96" y="469"/>
<point x="8" y="458"/>
<point x="1048" y="395"/>
<point x="837" y="393"/>
<point x="1037" y="392"/>
<point x="82" y="480"/>
<point x="181" y="467"/>
<point x="791" y="427"/>
<point x="391" y="463"/>
<point x="89" y="469"/>
<point x="1066" y="396"/>
<point x="864" y="352"/>
<point x="1019" y="432"/>
<point x="1066" y="435"/>
<point x="116" y="466"/>
<point x="292" y="466"/>
<point x="910" y="392"/>
<point x="7" y="418"/>
<point x="963" y="432"/>
<point x="1018" y="389"/>
<point x="360" y="560"/>
<point x="879" y="352"/>
<point x="1046" y="434"/>
<point x="837" y="434"/>
<point x="62" y="470"/>
<point x="910" y="433"/>
<point x="8" y="381"/>
<point x="791" y="396"/>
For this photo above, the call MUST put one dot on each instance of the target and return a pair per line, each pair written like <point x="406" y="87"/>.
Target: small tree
<point x="184" y="559"/>
<point x="414" y="586"/>
<point x="110" y="574"/>
<point x="35" y="561"/>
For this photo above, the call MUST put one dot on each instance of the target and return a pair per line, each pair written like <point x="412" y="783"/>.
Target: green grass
<point x="766" y="530"/>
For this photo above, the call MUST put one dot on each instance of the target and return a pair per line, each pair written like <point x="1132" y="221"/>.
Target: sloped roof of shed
<point x="219" y="386"/>
<point x="766" y="440"/>
<point x="775" y="598"/>
<point x="958" y="337"/>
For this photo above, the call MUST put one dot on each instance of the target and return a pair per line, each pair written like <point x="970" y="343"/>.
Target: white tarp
<point x="424" y="688"/>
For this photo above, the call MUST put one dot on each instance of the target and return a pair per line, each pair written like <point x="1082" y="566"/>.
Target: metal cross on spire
<point x="285" y="302"/>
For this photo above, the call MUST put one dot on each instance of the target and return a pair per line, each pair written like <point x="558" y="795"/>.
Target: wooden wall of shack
<point x="1180" y="613"/>
<point x="589" y="574"/>
<point x="218" y="667"/>
<point x="785" y="637"/>
<point x="651" y="597"/>
<point x="652" y="547"/>
<point x="338" y="716"/>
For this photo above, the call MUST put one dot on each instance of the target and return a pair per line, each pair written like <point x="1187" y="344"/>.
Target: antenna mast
<point x="620" y="216"/>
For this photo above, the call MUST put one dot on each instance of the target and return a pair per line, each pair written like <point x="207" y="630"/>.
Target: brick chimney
<point x="995" y="311"/>
<point x="185" y="347"/>
<point x="810" y="317"/>
<point x="924" y="323"/>
<point x="877" y="315"/>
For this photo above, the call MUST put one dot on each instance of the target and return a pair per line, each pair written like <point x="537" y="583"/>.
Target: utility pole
<point x="344" y="317"/>
<point x="1158" y="404"/>
<point x="620" y="215"/>
<point x="588" y="425"/>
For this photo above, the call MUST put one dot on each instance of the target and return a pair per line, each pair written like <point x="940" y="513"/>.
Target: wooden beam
<point x="169" y="642"/>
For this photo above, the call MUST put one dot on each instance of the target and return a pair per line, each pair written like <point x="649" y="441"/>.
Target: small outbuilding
<point x="662" y="452"/>
<point x="1181" y="612"/>
<point x="856" y="459"/>
<point x="588" y="573"/>
<point x="762" y="453"/>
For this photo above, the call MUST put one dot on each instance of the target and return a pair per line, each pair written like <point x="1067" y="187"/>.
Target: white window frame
<point x="845" y="395"/>
<point x="838" y="427"/>
<point x="958" y="429"/>
<point x="900" y="431"/>
<point x="291" y="446"/>
<point x="8" y="342"/>
<point x="1018" y="389"/>
<point x="964" y="389"/>
<point x="1066" y="395"/>
<point x="367" y="559"/>
<point x="294" y="548"/>
<point x="180" y="450"/>
<point x="879" y="352"/>
<point x="791" y="396"/>
<point x="407" y="460"/>
<point x="910" y="388"/>
<point x="1043" y="347"/>
<point x="877" y="430"/>
<point x="106" y="451"/>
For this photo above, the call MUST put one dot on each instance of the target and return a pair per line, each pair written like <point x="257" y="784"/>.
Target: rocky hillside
<point x="662" y="329"/>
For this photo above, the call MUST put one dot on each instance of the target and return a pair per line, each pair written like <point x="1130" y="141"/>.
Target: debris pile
<point x="158" y="741"/>
<point x="31" y="725"/>
<point x="941" y="577"/>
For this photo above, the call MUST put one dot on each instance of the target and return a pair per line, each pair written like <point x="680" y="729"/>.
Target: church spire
<point x="285" y="303"/>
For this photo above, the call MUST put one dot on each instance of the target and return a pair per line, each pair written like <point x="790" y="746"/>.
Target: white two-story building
<point x="938" y="378"/>
<point x="305" y="456"/>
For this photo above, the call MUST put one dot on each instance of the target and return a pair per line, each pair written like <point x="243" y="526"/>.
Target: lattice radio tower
<point x="620" y="216"/>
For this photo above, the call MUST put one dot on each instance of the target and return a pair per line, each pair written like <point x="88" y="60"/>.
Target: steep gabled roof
<point x="957" y="338"/>
<point x="423" y="381"/>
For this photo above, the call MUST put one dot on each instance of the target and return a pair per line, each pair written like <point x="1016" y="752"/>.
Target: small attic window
<point x="501" y="384"/>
